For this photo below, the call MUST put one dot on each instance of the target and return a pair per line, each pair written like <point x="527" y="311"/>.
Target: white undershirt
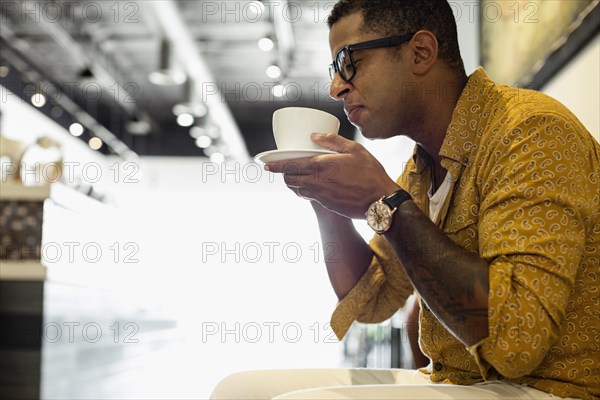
<point x="436" y="200"/>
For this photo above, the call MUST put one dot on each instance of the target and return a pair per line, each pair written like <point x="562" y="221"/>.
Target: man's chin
<point x="367" y="134"/>
<point x="370" y="135"/>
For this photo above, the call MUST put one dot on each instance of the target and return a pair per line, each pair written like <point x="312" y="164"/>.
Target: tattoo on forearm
<point x="452" y="282"/>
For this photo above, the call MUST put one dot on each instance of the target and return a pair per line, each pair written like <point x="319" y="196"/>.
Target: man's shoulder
<point x="513" y="107"/>
<point x="500" y="104"/>
<point x="520" y="104"/>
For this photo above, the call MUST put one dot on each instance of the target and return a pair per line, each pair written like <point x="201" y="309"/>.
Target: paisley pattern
<point x="526" y="199"/>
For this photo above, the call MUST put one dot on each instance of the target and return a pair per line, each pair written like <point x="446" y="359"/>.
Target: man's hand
<point x="346" y="183"/>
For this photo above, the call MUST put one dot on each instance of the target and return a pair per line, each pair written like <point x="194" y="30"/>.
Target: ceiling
<point x="92" y="60"/>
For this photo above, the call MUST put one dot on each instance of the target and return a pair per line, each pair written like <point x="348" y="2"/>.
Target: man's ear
<point x="424" y="45"/>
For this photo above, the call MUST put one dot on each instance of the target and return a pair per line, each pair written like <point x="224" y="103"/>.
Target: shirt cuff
<point x="351" y="306"/>
<point x="486" y="350"/>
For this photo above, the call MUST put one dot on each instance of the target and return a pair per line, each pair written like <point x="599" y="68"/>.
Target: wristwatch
<point x="379" y="214"/>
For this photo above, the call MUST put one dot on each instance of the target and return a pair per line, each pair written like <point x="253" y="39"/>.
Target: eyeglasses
<point x="343" y="63"/>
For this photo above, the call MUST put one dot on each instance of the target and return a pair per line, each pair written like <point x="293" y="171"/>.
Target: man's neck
<point x="437" y="118"/>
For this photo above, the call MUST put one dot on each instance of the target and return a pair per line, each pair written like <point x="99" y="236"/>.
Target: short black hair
<point x="402" y="17"/>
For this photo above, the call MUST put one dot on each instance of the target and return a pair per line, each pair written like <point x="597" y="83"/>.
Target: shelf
<point x="13" y="191"/>
<point x="22" y="271"/>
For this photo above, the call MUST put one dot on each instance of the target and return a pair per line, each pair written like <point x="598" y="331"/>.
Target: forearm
<point x="452" y="281"/>
<point x="347" y="255"/>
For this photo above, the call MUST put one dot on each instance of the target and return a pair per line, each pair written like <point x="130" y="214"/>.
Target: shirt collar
<point x="462" y="132"/>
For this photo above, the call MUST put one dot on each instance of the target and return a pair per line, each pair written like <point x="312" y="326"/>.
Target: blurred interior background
<point x="144" y="253"/>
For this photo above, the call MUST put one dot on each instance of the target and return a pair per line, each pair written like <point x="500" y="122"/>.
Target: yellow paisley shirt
<point x="526" y="198"/>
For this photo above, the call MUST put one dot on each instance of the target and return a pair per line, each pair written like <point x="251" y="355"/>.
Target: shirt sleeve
<point x="381" y="291"/>
<point x="532" y="232"/>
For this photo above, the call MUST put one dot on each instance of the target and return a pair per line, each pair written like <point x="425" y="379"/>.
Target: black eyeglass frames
<point x="343" y="63"/>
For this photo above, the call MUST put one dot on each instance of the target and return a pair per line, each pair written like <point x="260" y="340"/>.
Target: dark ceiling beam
<point x="22" y="68"/>
<point x="99" y="73"/>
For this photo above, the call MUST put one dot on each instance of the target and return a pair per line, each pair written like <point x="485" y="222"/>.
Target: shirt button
<point x="438" y="366"/>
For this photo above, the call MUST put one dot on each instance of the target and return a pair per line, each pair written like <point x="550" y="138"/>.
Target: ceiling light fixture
<point x="273" y="71"/>
<point x="255" y="9"/>
<point x="38" y="100"/>
<point x="278" y="90"/>
<point x="266" y="44"/>
<point x="198" y="110"/>
<point x="217" y="158"/>
<point x="203" y="141"/>
<point x="185" y="120"/>
<point x="196" y="132"/>
<point x="76" y="129"/>
<point x="190" y="105"/>
<point x="138" y="126"/>
<point x="166" y="74"/>
<point x="95" y="143"/>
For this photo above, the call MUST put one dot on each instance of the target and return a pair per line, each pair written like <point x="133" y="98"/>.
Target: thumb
<point x="331" y="141"/>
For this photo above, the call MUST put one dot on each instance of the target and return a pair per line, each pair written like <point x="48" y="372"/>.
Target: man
<point x="495" y="222"/>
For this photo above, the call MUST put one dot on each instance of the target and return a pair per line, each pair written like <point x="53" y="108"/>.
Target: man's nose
<point x="339" y="88"/>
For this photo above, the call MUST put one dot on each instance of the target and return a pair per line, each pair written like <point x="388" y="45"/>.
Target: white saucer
<point x="283" y="155"/>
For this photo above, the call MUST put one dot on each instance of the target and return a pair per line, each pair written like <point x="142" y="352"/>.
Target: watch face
<point x="379" y="217"/>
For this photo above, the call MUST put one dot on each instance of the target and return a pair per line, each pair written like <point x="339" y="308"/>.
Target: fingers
<point x="332" y="141"/>
<point x="296" y="181"/>
<point x="297" y="167"/>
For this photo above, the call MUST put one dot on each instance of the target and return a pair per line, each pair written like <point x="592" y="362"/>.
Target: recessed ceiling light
<point x="185" y="119"/>
<point x="217" y="158"/>
<point x="138" y="127"/>
<point x="266" y="44"/>
<point x="38" y="100"/>
<point x="203" y="141"/>
<point x="278" y="90"/>
<point x="167" y="77"/>
<point x="255" y="9"/>
<point x="76" y="129"/>
<point x="273" y="71"/>
<point x="198" y="110"/>
<point x="197" y="131"/>
<point x="95" y="143"/>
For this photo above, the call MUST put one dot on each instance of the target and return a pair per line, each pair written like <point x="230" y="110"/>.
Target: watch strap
<point x="394" y="200"/>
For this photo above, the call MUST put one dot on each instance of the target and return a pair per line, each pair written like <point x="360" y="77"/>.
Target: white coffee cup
<point x="292" y="127"/>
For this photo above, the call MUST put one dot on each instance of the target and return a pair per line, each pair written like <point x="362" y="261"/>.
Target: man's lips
<point x="352" y="112"/>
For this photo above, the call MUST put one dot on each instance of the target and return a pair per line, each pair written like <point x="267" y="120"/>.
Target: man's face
<point x="373" y="100"/>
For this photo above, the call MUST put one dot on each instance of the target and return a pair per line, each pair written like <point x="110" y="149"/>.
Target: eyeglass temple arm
<point x="385" y="42"/>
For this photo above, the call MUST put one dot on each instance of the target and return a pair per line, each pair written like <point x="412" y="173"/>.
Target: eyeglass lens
<point x="343" y="65"/>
